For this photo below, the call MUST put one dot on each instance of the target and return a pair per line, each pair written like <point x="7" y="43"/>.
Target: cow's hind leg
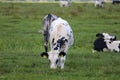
<point x="62" y="62"/>
<point x="46" y="38"/>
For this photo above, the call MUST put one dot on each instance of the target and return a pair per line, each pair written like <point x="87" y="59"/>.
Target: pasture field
<point x="21" y="44"/>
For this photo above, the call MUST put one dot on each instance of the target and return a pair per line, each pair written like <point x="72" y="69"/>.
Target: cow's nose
<point x="53" y="67"/>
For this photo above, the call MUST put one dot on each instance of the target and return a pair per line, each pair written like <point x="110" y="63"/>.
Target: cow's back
<point x="60" y="28"/>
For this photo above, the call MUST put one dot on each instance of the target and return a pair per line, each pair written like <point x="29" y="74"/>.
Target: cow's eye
<point x="56" y="61"/>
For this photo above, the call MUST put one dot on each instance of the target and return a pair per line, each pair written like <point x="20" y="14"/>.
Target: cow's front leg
<point x="62" y="62"/>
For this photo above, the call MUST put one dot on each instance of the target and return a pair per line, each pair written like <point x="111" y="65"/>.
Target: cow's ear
<point x="99" y="35"/>
<point x="44" y="55"/>
<point x="62" y="54"/>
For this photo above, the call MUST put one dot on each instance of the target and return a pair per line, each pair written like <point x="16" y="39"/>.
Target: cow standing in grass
<point x="61" y="39"/>
<point x="64" y="3"/>
<point x="99" y="3"/>
<point x="47" y="20"/>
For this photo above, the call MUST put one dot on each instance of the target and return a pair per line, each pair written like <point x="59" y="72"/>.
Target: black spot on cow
<point x="99" y="44"/>
<point x="114" y="50"/>
<point x="110" y="42"/>
<point x="54" y="44"/>
<point x="60" y="42"/>
<point x="53" y="41"/>
<point x="65" y="24"/>
<point x="49" y="17"/>
<point x="57" y="61"/>
<point x="119" y="46"/>
<point x="56" y="48"/>
<point x="99" y="35"/>
<point x="62" y="54"/>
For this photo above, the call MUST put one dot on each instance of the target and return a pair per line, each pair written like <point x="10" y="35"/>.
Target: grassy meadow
<point x="21" y="44"/>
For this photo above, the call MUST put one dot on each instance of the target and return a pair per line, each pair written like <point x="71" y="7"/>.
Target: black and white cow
<point x="64" y="3"/>
<point x="100" y="44"/>
<point x="61" y="39"/>
<point x="113" y="46"/>
<point x="99" y="3"/>
<point x="46" y="22"/>
<point x="115" y="1"/>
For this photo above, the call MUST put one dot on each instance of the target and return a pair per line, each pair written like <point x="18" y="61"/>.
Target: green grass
<point x="21" y="44"/>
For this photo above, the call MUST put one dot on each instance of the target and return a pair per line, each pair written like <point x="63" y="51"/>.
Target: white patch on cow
<point x="53" y="57"/>
<point x="107" y="36"/>
<point x="113" y="45"/>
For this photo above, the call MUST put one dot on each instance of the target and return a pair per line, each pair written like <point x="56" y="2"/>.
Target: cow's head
<point x="54" y="57"/>
<point x="106" y="36"/>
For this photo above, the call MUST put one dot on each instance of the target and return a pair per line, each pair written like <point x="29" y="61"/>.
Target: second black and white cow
<point x="61" y="39"/>
<point x="115" y="1"/>
<point x="100" y="44"/>
<point x="64" y="3"/>
<point x="99" y="3"/>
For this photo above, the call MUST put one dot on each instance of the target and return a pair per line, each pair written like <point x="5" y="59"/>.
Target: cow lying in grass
<point x="100" y="44"/>
<point x="61" y="39"/>
<point x="47" y="20"/>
